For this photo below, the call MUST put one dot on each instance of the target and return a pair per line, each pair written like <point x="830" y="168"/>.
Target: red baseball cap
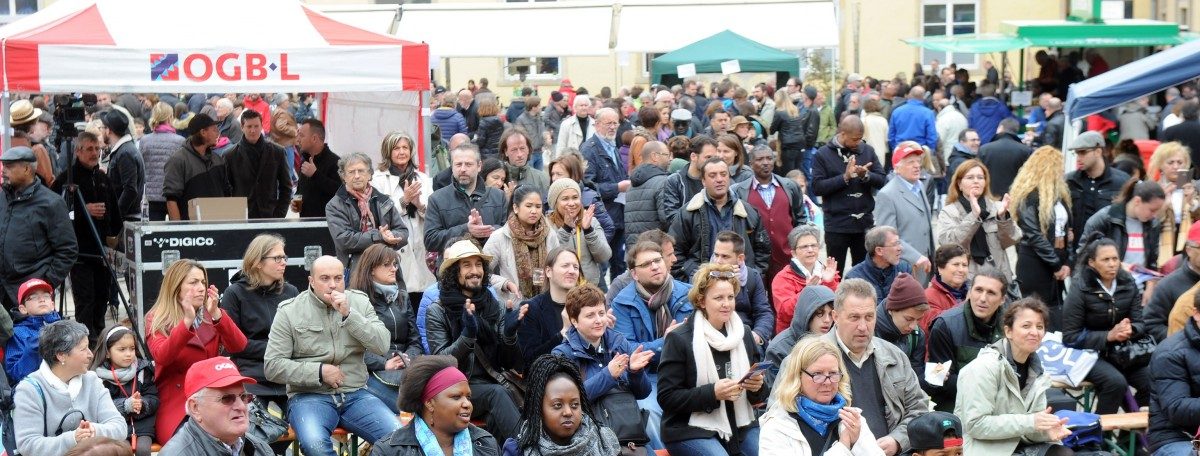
<point x="905" y="149"/>
<point x="1193" y="237"/>
<point x="33" y="285"/>
<point x="215" y="372"/>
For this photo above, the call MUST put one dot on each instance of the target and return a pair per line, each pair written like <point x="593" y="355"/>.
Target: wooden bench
<point x="1131" y="422"/>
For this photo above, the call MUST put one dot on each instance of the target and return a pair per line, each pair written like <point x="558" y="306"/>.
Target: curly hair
<point x="1042" y="173"/>
<point x="1163" y="153"/>
<point x="545" y="369"/>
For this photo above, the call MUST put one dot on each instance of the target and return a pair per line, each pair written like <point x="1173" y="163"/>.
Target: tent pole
<point x="1021" y="64"/>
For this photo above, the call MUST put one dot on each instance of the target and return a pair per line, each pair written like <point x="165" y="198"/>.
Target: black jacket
<point x="143" y="423"/>
<point x="677" y="191"/>
<point x="487" y="137"/>
<point x="796" y="132"/>
<point x="448" y="208"/>
<point x="913" y="344"/>
<point x="1053" y="134"/>
<point x="956" y="336"/>
<point x="471" y="114"/>
<point x="253" y="310"/>
<point x="1088" y="196"/>
<point x="680" y="397"/>
<point x="753" y="306"/>
<point x="259" y="172"/>
<point x="1174" y="403"/>
<point x="1089" y="312"/>
<point x="344" y="220"/>
<point x="1169" y="289"/>
<point x="127" y="172"/>
<point x="32" y="238"/>
<point x="1041" y="243"/>
<point x="694" y="234"/>
<point x="644" y="210"/>
<point x="95" y="187"/>
<point x="403" y="442"/>
<point x="1003" y="158"/>
<point x="1111" y="222"/>
<point x="401" y="324"/>
<point x="445" y="336"/>
<point x="189" y="175"/>
<point x="848" y="206"/>
<point x="320" y="188"/>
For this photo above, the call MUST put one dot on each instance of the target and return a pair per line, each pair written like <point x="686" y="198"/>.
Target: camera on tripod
<point x="70" y="113"/>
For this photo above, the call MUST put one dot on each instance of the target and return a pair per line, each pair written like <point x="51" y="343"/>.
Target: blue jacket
<point x="881" y="279"/>
<point x="753" y="306"/>
<point x="912" y="121"/>
<point x="596" y="380"/>
<point x="635" y="322"/>
<point x="449" y="121"/>
<point x="985" y="116"/>
<point x="21" y="356"/>
<point x="603" y="171"/>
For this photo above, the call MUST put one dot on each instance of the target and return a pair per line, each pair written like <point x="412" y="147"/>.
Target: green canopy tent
<point x="708" y="53"/>
<point x="972" y="43"/>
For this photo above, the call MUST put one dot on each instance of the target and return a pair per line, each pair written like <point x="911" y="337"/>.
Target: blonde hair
<point x="161" y="114"/>
<point x="805" y="353"/>
<point x="1163" y="153"/>
<point x="783" y="102"/>
<point x="256" y="252"/>
<point x="168" y="311"/>
<point x="702" y="281"/>
<point x="1042" y="173"/>
<point x="488" y="105"/>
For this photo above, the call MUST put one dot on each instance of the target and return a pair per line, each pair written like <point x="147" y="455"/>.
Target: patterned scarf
<point x="529" y="250"/>
<point x="589" y="440"/>
<point x="657" y="303"/>
<point x="367" y="219"/>
<point x="431" y="447"/>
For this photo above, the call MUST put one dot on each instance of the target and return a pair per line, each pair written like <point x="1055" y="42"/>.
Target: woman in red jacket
<point x="949" y="286"/>
<point x="185" y="326"/>
<point x="806" y="265"/>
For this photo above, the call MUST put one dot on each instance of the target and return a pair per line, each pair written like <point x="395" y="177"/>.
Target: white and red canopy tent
<point x="168" y="46"/>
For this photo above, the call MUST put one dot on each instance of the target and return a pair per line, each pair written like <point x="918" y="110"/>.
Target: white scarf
<point x="706" y="338"/>
<point x="72" y="387"/>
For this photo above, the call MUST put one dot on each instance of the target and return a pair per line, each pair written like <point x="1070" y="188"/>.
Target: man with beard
<point x="515" y="151"/>
<point x="32" y="237"/>
<point x="316" y="348"/>
<point x="713" y="211"/>
<point x="90" y="280"/>
<point x="881" y="377"/>
<point x="195" y="171"/>
<point x="646" y="310"/>
<point x="465" y="323"/>
<point x="126" y="169"/>
<point x="610" y="174"/>
<point x="258" y="170"/>
<point x="958" y="334"/>
<point x="467" y="207"/>
<point x="1093" y="184"/>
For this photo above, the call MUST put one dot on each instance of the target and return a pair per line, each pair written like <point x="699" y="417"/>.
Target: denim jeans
<point x="537" y="160"/>
<point x="713" y="447"/>
<point x="1175" y="449"/>
<point x="389" y="395"/>
<point x="314" y="416"/>
<point x="653" y="415"/>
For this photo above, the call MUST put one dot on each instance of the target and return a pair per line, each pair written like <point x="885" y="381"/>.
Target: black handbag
<point x="1133" y="353"/>
<point x="619" y="411"/>
<point x="263" y="424"/>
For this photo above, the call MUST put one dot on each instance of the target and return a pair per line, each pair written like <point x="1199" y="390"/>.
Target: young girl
<point x="130" y="382"/>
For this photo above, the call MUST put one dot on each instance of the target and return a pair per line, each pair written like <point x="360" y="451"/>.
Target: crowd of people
<point x="705" y="270"/>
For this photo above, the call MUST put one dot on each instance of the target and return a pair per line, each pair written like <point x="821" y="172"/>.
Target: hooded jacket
<point x="848" y="205"/>
<point x="694" y="234"/>
<point x="253" y="310"/>
<point x="985" y="116"/>
<point x="449" y="121"/>
<point x="1175" y="409"/>
<point x="955" y="336"/>
<point x="21" y="356"/>
<point x="644" y="210"/>
<point x="1111" y="222"/>
<point x="810" y="300"/>
<point x="33" y="239"/>
<point x="996" y="413"/>
<point x="1090" y="312"/>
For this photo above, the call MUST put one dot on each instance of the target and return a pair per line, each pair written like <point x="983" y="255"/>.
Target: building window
<point x="11" y="10"/>
<point x="648" y="60"/>
<point x="524" y="68"/>
<point x="949" y="17"/>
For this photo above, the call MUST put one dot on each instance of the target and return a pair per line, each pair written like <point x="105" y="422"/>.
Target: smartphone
<point x="1183" y="177"/>
<point x="756" y="369"/>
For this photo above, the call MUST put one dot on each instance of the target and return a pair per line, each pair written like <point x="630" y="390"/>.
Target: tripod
<point x="75" y="198"/>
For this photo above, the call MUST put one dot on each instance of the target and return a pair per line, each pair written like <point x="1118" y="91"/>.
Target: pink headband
<point x="445" y="378"/>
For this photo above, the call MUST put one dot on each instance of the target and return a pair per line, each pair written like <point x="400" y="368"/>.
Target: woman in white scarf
<point x="707" y="401"/>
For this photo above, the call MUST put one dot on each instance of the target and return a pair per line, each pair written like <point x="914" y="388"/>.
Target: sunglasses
<point x="722" y="275"/>
<point x="228" y="399"/>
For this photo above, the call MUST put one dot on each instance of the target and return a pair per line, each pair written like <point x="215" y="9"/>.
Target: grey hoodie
<point x="810" y="300"/>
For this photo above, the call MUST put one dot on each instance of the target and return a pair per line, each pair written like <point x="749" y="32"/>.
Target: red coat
<point x="940" y="300"/>
<point x="174" y="354"/>
<point x="785" y="290"/>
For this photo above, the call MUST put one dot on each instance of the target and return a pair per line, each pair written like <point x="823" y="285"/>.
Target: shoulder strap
<point x="42" y="395"/>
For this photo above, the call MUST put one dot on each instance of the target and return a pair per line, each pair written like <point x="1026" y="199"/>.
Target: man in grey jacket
<point x="466" y="207"/>
<point x="218" y="407"/>
<point x="884" y="383"/>
<point x="316" y="348"/>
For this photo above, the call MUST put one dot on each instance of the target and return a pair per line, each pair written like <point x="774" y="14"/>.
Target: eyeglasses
<point x="647" y="264"/>
<point x="721" y="275"/>
<point x="833" y="377"/>
<point x="277" y="259"/>
<point x="228" y="399"/>
<point x="391" y="265"/>
<point x="808" y="246"/>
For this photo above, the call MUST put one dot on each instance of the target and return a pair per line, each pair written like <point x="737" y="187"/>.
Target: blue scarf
<point x="819" y="415"/>
<point x="431" y="447"/>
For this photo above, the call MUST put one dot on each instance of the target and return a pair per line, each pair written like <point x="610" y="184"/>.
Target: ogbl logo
<point x="229" y="66"/>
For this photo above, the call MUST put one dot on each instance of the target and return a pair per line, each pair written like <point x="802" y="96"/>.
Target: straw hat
<point x="23" y="112"/>
<point x="461" y="250"/>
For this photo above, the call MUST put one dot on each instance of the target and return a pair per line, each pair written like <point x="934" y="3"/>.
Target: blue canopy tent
<point x="1131" y="81"/>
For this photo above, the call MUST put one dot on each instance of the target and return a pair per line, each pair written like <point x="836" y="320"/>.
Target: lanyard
<point x="132" y="431"/>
